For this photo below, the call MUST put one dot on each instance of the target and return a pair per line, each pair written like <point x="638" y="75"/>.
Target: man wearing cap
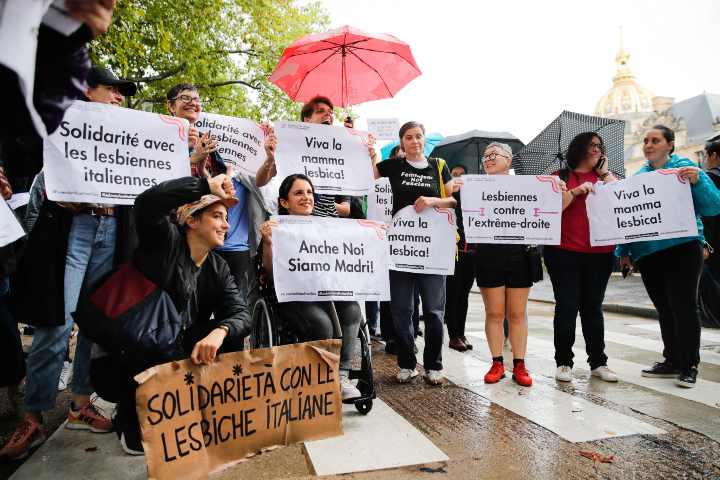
<point x="182" y="258"/>
<point x="70" y="247"/>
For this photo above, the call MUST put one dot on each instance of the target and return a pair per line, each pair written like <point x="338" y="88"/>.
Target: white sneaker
<point x="563" y="373"/>
<point x="128" y="450"/>
<point x="434" y="377"/>
<point x="65" y="376"/>
<point x="348" y="391"/>
<point x="406" y="374"/>
<point x="604" y="373"/>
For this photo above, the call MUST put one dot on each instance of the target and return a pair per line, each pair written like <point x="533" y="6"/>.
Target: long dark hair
<point x="285" y="187"/>
<point x="577" y="150"/>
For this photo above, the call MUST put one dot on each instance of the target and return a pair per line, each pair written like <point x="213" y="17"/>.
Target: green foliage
<point x="226" y="47"/>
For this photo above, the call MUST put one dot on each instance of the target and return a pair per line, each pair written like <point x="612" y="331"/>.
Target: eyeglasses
<point x="493" y="155"/>
<point x="189" y="99"/>
<point x="596" y="145"/>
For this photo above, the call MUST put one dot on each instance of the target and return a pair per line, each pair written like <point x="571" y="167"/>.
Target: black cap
<point x="103" y="76"/>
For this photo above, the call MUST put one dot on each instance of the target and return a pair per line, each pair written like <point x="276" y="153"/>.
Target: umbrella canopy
<point x="467" y="148"/>
<point x="546" y="153"/>
<point x="346" y="65"/>
<point x="431" y="139"/>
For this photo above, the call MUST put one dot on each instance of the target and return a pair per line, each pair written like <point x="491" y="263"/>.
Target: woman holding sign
<point x="504" y="276"/>
<point x="671" y="268"/>
<point x="417" y="181"/>
<point x="313" y="320"/>
<point x="578" y="271"/>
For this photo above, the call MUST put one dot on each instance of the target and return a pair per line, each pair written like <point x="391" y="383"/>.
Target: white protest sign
<point x="423" y="242"/>
<point x="380" y="201"/>
<point x="106" y="154"/>
<point x="18" y="200"/>
<point x="523" y="209"/>
<point x="19" y="26"/>
<point x="240" y="141"/>
<point x="10" y="229"/>
<point x="651" y="206"/>
<point x="317" y="258"/>
<point x="335" y="158"/>
<point x="384" y="128"/>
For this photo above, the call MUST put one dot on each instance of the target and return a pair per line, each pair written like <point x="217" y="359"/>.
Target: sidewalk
<point x="623" y="295"/>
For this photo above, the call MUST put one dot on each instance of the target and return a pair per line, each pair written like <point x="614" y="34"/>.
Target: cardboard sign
<point x="652" y="206"/>
<point x="335" y="158"/>
<point x="107" y="154"/>
<point x="423" y="242"/>
<point x="380" y="201"/>
<point x="10" y="228"/>
<point x="316" y="258"/>
<point x="199" y="419"/>
<point x="521" y="209"/>
<point x="384" y="128"/>
<point x="241" y="142"/>
<point x="19" y="25"/>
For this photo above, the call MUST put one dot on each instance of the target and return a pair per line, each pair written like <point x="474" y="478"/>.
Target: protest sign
<point x="10" y="228"/>
<point x="651" y="206"/>
<point x="335" y="158"/>
<point x="384" y="128"/>
<point x="241" y="142"/>
<point x="199" y="419"/>
<point x="380" y="201"/>
<point x="107" y="154"/>
<point x="423" y="242"/>
<point x="19" y="26"/>
<point x="317" y="258"/>
<point x="523" y="209"/>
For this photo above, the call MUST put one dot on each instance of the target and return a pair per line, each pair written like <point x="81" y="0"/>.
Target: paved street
<point x="467" y="429"/>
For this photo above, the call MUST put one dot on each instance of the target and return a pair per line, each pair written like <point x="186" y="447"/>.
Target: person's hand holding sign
<point x="96" y="14"/>
<point x="204" y="146"/>
<point x="205" y="350"/>
<point x="5" y="189"/>
<point x="582" y="189"/>
<point x="371" y="149"/>
<point x="692" y="174"/>
<point x="221" y="186"/>
<point x="424" y="202"/>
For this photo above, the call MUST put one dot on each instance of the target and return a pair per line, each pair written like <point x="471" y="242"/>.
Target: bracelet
<point x="602" y="177"/>
<point x="572" y="194"/>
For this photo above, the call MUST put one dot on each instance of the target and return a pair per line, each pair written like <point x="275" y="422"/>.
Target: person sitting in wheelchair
<point x="312" y="320"/>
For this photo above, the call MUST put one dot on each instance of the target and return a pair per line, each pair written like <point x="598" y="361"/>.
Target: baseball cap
<point x="186" y="211"/>
<point x="103" y="76"/>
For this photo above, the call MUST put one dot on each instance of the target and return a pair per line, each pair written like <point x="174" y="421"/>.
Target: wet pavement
<point x="483" y="439"/>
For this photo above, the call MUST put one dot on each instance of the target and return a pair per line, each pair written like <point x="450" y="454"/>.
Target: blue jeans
<point x="11" y="351"/>
<point x="372" y="314"/>
<point x="91" y="247"/>
<point x="402" y="293"/>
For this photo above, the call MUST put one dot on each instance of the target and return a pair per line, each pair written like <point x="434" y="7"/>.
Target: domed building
<point x="694" y="120"/>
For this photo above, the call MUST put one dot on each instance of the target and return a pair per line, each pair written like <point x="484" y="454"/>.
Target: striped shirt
<point x="325" y="205"/>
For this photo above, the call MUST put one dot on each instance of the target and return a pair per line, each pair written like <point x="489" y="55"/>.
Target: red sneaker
<point x="27" y="436"/>
<point x="521" y="375"/>
<point x="88" y="417"/>
<point x="496" y="372"/>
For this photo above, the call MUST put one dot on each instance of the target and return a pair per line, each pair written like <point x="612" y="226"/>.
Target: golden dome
<point x="625" y="96"/>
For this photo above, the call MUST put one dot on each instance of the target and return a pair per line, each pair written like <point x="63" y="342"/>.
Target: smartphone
<point x="601" y="161"/>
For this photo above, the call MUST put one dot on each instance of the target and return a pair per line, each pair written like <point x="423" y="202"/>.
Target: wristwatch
<point x="224" y="327"/>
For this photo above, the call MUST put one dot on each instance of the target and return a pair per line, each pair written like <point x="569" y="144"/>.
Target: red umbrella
<point x="346" y="65"/>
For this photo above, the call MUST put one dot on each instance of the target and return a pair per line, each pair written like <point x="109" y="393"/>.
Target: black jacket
<point x="163" y="256"/>
<point x="711" y="229"/>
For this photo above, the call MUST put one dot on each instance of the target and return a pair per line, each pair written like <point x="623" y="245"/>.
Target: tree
<point x="226" y="47"/>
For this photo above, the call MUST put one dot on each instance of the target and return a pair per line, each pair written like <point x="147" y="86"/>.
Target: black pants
<point x="457" y="289"/>
<point x="671" y="278"/>
<point x="579" y="281"/>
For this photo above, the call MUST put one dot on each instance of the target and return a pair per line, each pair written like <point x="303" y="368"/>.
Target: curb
<point x="616" y="308"/>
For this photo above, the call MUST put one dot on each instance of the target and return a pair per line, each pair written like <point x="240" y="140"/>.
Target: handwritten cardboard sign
<point x="199" y="419"/>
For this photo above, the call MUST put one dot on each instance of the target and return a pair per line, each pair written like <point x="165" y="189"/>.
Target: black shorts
<point x="511" y="275"/>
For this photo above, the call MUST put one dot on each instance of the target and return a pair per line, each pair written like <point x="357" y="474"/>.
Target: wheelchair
<point x="269" y="330"/>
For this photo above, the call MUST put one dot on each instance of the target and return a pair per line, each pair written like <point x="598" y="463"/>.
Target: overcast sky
<point x="514" y="65"/>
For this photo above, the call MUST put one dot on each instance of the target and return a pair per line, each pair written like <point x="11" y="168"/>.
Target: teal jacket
<point x="706" y="200"/>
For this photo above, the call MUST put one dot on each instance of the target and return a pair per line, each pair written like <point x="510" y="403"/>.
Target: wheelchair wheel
<point x="264" y="332"/>
<point x="364" y="406"/>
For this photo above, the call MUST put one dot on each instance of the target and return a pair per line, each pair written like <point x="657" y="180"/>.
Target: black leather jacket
<point x="163" y="256"/>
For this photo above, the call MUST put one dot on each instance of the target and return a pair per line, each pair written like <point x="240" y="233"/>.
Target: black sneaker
<point x="687" y="378"/>
<point x="661" y="370"/>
